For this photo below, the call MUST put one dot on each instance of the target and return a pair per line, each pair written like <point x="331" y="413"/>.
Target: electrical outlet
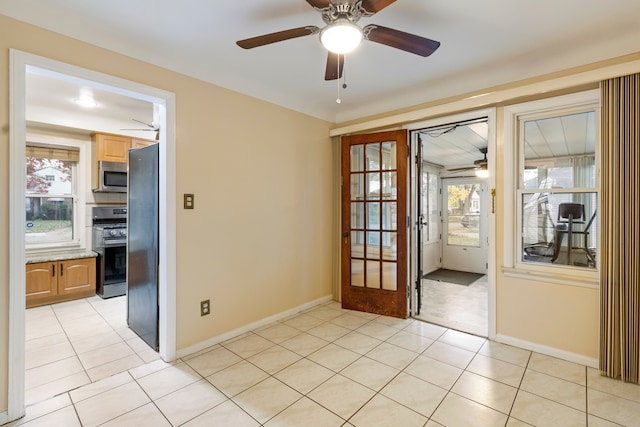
<point x="205" y="307"/>
<point x="189" y="201"/>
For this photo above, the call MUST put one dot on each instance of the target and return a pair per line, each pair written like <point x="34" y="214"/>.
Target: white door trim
<point x="20" y="62"/>
<point x="491" y="184"/>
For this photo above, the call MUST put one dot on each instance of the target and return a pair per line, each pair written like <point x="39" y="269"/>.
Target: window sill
<point x="587" y="279"/>
<point x="45" y="248"/>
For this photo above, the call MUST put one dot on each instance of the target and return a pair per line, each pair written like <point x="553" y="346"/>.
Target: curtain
<point x="583" y="168"/>
<point x="620" y="266"/>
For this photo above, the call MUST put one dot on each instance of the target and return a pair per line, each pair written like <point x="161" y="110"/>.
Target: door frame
<point x="20" y="63"/>
<point x="490" y="113"/>
<point x="416" y="187"/>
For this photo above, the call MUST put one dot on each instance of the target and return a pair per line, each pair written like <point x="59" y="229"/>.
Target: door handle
<point x="345" y="234"/>
<point x="493" y="200"/>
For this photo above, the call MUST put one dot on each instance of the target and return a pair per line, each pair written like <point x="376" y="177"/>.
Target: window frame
<point x="514" y="115"/>
<point x="78" y="194"/>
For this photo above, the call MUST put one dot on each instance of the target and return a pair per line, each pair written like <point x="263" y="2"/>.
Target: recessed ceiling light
<point x="86" y="101"/>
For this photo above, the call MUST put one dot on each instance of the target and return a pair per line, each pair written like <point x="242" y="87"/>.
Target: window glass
<point x="463" y="208"/>
<point x="557" y="192"/>
<point x="49" y="204"/>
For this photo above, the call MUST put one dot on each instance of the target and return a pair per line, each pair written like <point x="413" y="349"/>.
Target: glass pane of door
<point x="463" y="210"/>
<point x="374" y="220"/>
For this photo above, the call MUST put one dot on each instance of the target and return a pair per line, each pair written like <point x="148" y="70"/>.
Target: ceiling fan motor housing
<point x="352" y="12"/>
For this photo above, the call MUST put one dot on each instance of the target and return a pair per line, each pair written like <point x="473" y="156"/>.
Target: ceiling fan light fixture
<point x="341" y="36"/>
<point x="482" y="173"/>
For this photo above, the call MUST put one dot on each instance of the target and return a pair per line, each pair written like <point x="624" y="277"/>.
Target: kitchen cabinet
<point x="111" y="148"/>
<point x="139" y="143"/>
<point x="55" y="281"/>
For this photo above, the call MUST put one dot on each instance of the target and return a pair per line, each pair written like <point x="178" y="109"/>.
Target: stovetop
<point x="109" y="215"/>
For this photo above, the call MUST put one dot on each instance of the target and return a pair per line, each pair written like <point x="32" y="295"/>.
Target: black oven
<point x="110" y="242"/>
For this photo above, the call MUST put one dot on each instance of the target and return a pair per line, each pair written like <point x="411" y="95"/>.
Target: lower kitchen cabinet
<point x="55" y="281"/>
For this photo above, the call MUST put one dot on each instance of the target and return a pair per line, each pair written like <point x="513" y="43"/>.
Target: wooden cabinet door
<point x="112" y="148"/>
<point x="76" y="275"/>
<point x="41" y="280"/>
<point x="139" y="143"/>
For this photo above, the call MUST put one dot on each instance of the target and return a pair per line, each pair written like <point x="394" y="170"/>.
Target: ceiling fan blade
<point x="375" y="6"/>
<point x="144" y="123"/>
<point x="400" y="40"/>
<point x="334" y="61"/>
<point x="319" y="4"/>
<point x="277" y="37"/>
<point x="467" y="168"/>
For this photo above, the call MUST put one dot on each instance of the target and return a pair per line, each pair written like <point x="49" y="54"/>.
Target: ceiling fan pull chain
<point x="338" y="100"/>
<point x="344" y="75"/>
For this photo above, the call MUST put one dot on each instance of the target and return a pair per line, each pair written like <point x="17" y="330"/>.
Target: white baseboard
<point x="549" y="351"/>
<point x="250" y="327"/>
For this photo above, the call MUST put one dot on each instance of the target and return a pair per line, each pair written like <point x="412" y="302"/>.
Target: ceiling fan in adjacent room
<point x="479" y="166"/>
<point x="151" y="127"/>
<point x="342" y="34"/>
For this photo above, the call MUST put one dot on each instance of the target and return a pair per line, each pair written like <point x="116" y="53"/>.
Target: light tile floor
<point x="324" y="367"/>
<point x="464" y="308"/>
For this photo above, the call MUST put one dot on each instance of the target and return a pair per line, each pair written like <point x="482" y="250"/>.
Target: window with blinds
<point x="51" y="194"/>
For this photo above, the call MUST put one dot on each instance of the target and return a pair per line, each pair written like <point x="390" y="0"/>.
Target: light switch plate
<point x="189" y="201"/>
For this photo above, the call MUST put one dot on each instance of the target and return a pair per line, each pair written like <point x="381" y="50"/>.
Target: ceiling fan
<point x="342" y="34"/>
<point x="480" y="164"/>
<point x="151" y="127"/>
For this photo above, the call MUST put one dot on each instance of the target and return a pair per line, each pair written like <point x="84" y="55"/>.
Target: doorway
<point x="451" y="180"/>
<point x="21" y="64"/>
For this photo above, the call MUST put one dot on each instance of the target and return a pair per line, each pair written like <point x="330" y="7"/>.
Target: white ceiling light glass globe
<point x="482" y="173"/>
<point x="340" y="37"/>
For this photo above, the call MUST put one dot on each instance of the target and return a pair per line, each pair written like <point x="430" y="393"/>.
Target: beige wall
<point x="259" y="241"/>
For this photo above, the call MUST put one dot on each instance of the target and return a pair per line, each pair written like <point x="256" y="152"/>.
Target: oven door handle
<point x="114" y="243"/>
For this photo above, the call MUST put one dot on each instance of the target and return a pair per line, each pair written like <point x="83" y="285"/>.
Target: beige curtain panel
<point x="620" y="228"/>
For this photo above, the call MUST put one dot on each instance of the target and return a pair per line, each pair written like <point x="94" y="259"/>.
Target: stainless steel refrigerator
<point x="142" y="244"/>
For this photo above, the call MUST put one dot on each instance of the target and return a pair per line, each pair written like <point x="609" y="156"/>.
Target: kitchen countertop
<point x="59" y="256"/>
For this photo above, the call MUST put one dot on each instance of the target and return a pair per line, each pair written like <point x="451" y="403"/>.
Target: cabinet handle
<point x="53" y="270"/>
<point x="61" y="269"/>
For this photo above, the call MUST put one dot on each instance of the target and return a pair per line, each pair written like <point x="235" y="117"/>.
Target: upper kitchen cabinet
<point x="139" y="143"/>
<point x="111" y="148"/>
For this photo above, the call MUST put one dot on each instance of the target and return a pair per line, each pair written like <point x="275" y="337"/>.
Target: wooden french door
<point x="374" y="223"/>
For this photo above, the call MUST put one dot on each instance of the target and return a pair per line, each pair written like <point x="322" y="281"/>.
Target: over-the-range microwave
<point x="112" y="177"/>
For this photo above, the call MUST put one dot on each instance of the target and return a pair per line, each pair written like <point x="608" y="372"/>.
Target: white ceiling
<point x="52" y="101"/>
<point x="484" y="43"/>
